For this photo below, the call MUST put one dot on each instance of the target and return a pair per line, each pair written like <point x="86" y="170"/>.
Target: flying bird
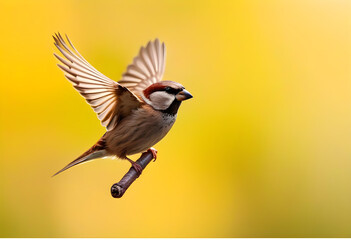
<point x="137" y="111"/>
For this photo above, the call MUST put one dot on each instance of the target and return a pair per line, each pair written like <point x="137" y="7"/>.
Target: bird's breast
<point x="142" y="129"/>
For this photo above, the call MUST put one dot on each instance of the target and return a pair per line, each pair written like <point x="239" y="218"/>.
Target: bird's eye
<point x="168" y="89"/>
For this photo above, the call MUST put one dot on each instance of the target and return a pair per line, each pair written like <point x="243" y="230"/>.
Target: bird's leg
<point x="136" y="166"/>
<point x="153" y="152"/>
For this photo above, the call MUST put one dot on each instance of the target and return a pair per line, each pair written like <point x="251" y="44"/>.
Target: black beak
<point x="183" y="95"/>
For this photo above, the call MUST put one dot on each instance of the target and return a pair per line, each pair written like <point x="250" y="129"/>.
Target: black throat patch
<point x="173" y="108"/>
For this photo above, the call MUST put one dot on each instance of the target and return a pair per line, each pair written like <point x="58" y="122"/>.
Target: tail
<point x="96" y="151"/>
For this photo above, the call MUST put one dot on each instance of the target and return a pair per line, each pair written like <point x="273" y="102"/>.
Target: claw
<point x="153" y="152"/>
<point x="136" y="166"/>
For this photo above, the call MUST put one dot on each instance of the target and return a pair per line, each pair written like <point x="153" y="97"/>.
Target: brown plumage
<point x="137" y="112"/>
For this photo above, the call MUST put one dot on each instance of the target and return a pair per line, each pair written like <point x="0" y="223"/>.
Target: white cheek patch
<point x="161" y="100"/>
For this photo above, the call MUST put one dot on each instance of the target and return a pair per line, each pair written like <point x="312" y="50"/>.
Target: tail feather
<point x="96" y="151"/>
<point x="94" y="155"/>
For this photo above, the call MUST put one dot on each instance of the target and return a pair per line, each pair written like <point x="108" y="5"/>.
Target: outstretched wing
<point x="109" y="100"/>
<point x="147" y="68"/>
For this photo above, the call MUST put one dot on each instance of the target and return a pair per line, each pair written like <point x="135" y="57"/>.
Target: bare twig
<point x="118" y="189"/>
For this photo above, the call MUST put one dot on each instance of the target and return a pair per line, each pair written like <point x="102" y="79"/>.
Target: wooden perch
<point x="118" y="189"/>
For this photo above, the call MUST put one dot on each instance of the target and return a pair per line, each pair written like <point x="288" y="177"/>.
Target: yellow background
<point x="262" y="150"/>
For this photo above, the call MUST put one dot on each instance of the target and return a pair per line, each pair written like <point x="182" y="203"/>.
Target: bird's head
<point x="165" y="96"/>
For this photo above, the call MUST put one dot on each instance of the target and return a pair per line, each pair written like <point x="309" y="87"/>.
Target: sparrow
<point x="137" y="111"/>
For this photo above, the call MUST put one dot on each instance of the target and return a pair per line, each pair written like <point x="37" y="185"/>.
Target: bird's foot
<point x="153" y="151"/>
<point x="136" y="166"/>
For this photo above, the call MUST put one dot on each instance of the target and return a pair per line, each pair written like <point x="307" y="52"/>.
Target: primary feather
<point x="147" y="68"/>
<point x="109" y="100"/>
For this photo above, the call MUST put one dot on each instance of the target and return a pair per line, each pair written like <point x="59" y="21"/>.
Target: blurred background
<point x="262" y="150"/>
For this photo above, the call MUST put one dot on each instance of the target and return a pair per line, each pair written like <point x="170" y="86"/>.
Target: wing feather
<point x="106" y="97"/>
<point x="147" y="68"/>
